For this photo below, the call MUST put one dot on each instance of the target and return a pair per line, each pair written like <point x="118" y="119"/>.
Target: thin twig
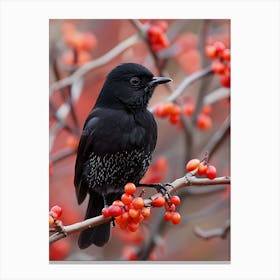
<point x="95" y="63"/>
<point x="186" y="82"/>
<point x="216" y="140"/>
<point x="216" y="232"/>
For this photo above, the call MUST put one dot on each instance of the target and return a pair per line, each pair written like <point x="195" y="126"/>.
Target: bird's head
<point x="129" y="86"/>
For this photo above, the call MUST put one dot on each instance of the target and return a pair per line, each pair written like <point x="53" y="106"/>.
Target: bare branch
<point x="186" y="82"/>
<point x="95" y="63"/>
<point x="216" y="232"/>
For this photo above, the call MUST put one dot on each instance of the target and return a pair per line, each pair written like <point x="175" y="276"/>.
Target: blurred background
<point x="82" y="53"/>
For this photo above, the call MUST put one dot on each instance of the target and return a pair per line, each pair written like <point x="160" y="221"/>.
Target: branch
<point x="186" y="82"/>
<point x="216" y="232"/>
<point x="188" y="180"/>
<point x="94" y="64"/>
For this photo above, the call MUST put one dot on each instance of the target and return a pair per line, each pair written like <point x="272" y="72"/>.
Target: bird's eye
<point x="135" y="81"/>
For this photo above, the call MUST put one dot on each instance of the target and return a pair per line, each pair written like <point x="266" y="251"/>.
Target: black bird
<point x="116" y="145"/>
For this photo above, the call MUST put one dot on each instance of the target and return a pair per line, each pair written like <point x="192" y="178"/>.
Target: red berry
<point x="146" y="212"/>
<point x="138" y="202"/>
<point x="225" y="80"/>
<point x="226" y="54"/>
<point x="105" y="212"/>
<point x="175" y="200"/>
<point x="132" y="226"/>
<point x="154" y="32"/>
<point x="126" y="198"/>
<point x="133" y="213"/>
<point x="170" y="208"/>
<point x="201" y="169"/>
<point x="192" y="164"/>
<point x="168" y="216"/>
<point x="188" y="109"/>
<point x="174" y="119"/>
<point x="130" y="188"/>
<point x="203" y="122"/>
<point x="160" y="111"/>
<point x="220" y="46"/>
<point x="206" y="109"/>
<point x="118" y="203"/>
<point x="158" y="201"/>
<point x="176" y="218"/>
<point x="57" y="211"/>
<point x="139" y="218"/>
<point x="211" y="172"/>
<point x="175" y="110"/>
<point x="218" y="67"/>
<point x="114" y="210"/>
<point x="211" y="51"/>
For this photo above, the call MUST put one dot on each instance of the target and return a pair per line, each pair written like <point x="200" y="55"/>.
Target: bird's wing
<point x="84" y="150"/>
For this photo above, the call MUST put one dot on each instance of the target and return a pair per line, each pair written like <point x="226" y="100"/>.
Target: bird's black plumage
<point x="116" y="145"/>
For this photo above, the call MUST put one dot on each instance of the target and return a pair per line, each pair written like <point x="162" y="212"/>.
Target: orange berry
<point x="105" y="212"/>
<point x="188" y="109"/>
<point x="220" y="46"/>
<point x="132" y="226"/>
<point x="114" y="210"/>
<point x="226" y="54"/>
<point x="138" y="202"/>
<point x="192" y="164"/>
<point x="118" y="203"/>
<point x="133" y="213"/>
<point x="161" y="111"/>
<point x="170" y="208"/>
<point x="206" y="109"/>
<point x="175" y="200"/>
<point x="210" y="51"/>
<point x="201" y="169"/>
<point x="158" y="201"/>
<point x="175" y="110"/>
<point x="130" y="188"/>
<point x="174" y="119"/>
<point x="56" y="211"/>
<point x="126" y="198"/>
<point x="211" y="172"/>
<point x="146" y="212"/>
<point x="218" y="67"/>
<point x="168" y="216"/>
<point x="203" y="122"/>
<point x="176" y="218"/>
<point x="225" y="80"/>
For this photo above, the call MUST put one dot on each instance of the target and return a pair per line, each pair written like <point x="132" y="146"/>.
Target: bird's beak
<point x="159" y="80"/>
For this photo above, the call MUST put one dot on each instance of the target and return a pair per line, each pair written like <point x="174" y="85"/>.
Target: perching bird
<point x="116" y="145"/>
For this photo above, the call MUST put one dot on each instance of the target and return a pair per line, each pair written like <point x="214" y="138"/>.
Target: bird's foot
<point x="162" y="188"/>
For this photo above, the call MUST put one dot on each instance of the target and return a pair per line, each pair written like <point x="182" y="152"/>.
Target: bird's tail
<point x="99" y="235"/>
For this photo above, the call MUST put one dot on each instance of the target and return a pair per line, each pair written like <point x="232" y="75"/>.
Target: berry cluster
<point x="54" y="214"/>
<point x="130" y="211"/>
<point x="201" y="168"/>
<point x="156" y="35"/>
<point x="173" y="112"/>
<point x="80" y="44"/>
<point x="221" y="62"/>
